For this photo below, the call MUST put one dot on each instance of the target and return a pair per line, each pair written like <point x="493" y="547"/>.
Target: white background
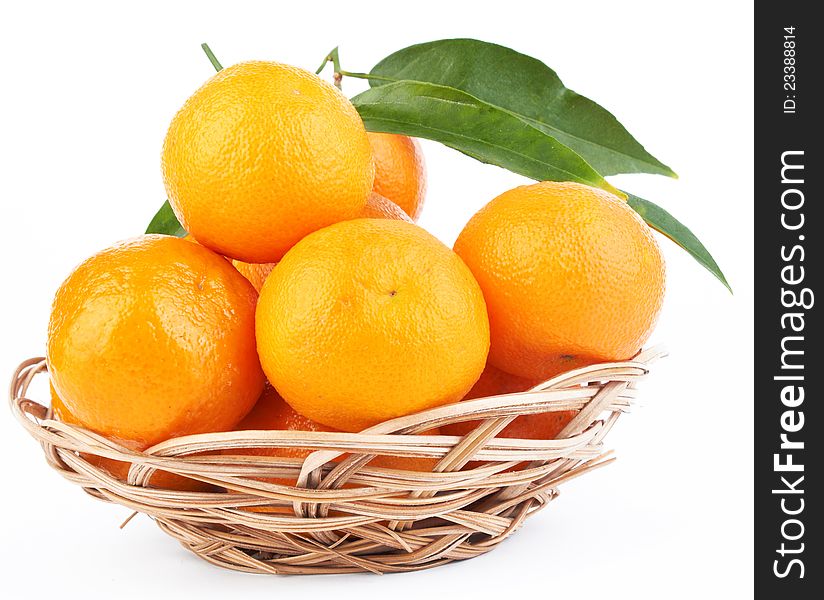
<point x="86" y="93"/>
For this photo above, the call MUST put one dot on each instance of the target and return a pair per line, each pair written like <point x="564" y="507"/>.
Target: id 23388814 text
<point x="790" y="82"/>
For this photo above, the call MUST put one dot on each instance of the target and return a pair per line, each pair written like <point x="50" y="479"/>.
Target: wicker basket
<point x="345" y="515"/>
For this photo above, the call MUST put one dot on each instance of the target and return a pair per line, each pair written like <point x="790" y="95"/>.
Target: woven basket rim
<point x="343" y="514"/>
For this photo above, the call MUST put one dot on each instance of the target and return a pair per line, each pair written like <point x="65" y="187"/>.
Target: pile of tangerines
<point x="306" y="297"/>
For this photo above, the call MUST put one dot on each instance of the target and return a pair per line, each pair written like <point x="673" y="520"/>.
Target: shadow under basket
<point x="345" y="515"/>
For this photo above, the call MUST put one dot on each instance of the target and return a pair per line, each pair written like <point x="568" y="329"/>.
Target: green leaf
<point x="166" y="222"/>
<point x="481" y="130"/>
<point x="662" y="221"/>
<point x="525" y="87"/>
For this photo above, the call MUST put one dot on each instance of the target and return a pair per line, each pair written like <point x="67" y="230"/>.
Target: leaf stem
<point x="366" y="76"/>
<point x="212" y="58"/>
<point x="326" y="59"/>
<point x="334" y="58"/>
<point x="337" y="77"/>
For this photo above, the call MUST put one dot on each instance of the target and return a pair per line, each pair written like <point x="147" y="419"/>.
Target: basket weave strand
<point x="343" y="514"/>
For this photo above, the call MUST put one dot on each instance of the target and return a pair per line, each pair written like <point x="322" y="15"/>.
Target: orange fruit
<point x="378" y="207"/>
<point x="256" y="273"/>
<point x="494" y="382"/>
<point x="407" y="463"/>
<point x="120" y="469"/>
<point x="371" y="319"/>
<point x="153" y="338"/>
<point x="263" y="154"/>
<point x="400" y="174"/>
<point x="571" y="276"/>
<point x="272" y="413"/>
